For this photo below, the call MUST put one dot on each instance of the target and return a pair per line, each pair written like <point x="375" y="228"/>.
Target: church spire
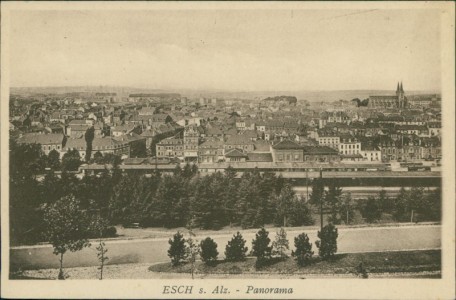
<point x="397" y="90"/>
<point x="402" y="88"/>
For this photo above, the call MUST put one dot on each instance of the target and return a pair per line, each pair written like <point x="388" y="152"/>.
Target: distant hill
<point x="313" y="96"/>
<point x="157" y="95"/>
<point x="120" y="91"/>
<point x="289" y="99"/>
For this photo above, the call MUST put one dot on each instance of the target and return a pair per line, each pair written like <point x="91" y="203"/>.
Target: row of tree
<point x="186" y="250"/>
<point x="415" y="204"/>
<point x="208" y="202"/>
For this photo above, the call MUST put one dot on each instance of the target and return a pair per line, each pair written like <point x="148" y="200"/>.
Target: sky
<point x="236" y="50"/>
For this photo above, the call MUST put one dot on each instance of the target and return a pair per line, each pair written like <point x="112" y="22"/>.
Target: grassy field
<point x="403" y="264"/>
<point x="382" y="262"/>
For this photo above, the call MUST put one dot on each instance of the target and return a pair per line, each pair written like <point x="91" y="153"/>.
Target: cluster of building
<point x="210" y="130"/>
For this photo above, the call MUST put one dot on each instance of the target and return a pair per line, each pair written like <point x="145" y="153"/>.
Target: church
<point x="398" y="101"/>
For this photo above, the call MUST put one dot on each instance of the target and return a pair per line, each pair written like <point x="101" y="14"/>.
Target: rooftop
<point x="319" y="150"/>
<point x="235" y="153"/>
<point x="287" y="144"/>
<point x="43" y="139"/>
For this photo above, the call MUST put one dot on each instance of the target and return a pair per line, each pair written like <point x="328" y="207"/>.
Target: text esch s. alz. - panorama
<point x="220" y="289"/>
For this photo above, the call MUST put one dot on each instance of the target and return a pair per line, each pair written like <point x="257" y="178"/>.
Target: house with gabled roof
<point x="211" y="151"/>
<point x="320" y="154"/>
<point x="146" y="111"/>
<point x="235" y="155"/>
<point x="104" y="145"/>
<point x="287" y="151"/>
<point x="48" y="142"/>
<point x="241" y="142"/>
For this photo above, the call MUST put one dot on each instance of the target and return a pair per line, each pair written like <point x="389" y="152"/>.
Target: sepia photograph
<point x="268" y="148"/>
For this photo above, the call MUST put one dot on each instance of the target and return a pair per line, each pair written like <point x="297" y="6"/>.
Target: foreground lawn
<point x="383" y="262"/>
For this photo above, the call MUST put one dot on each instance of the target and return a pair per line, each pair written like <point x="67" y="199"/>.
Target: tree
<point x="261" y="248"/>
<point x="112" y="159"/>
<point x="372" y="210"/>
<point x="387" y="204"/>
<point x="99" y="226"/>
<point x="177" y="170"/>
<point x="417" y="204"/>
<point x="138" y="149"/>
<point x="357" y="101"/>
<point x="332" y="199"/>
<point x="71" y="160"/>
<point x="67" y="227"/>
<point x="26" y="160"/>
<point x="280" y="245"/>
<point x="26" y="220"/>
<point x="303" y="251"/>
<point x="300" y="213"/>
<point x="177" y="250"/>
<point x="69" y="184"/>
<point x="318" y="189"/>
<point x="230" y="194"/>
<point x="206" y="206"/>
<point x="434" y="205"/>
<point x="402" y="206"/>
<point x="51" y="189"/>
<point x="170" y="206"/>
<point x="284" y="203"/>
<point x="327" y="245"/>
<point x="209" y="251"/>
<point x="188" y="171"/>
<point x="89" y="136"/>
<point x="130" y="199"/>
<point x="249" y="210"/>
<point x="235" y="249"/>
<point x="346" y="208"/>
<point x="53" y="160"/>
<point x="193" y="249"/>
<point x="98" y="158"/>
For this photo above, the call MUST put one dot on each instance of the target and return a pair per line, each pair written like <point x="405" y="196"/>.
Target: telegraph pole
<point x="307" y="184"/>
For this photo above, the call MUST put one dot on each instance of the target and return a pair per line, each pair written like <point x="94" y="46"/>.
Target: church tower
<point x="400" y="95"/>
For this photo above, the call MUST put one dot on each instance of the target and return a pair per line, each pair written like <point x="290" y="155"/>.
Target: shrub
<point x="303" y="251"/>
<point x="209" y="251"/>
<point x="177" y="249"/>
<point x="110" y="231"/>
<point x="235" y="249"/>
<point x="361" y="271"/>
<point x="107" y="232"/>
<point x="261" y="248"/>
<point x="280" y="245"/>
<point x="372" y="210"/>
<point x="327" y="245"/>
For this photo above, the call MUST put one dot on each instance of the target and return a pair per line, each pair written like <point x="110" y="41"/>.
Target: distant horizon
<point x="214" y="89"/>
